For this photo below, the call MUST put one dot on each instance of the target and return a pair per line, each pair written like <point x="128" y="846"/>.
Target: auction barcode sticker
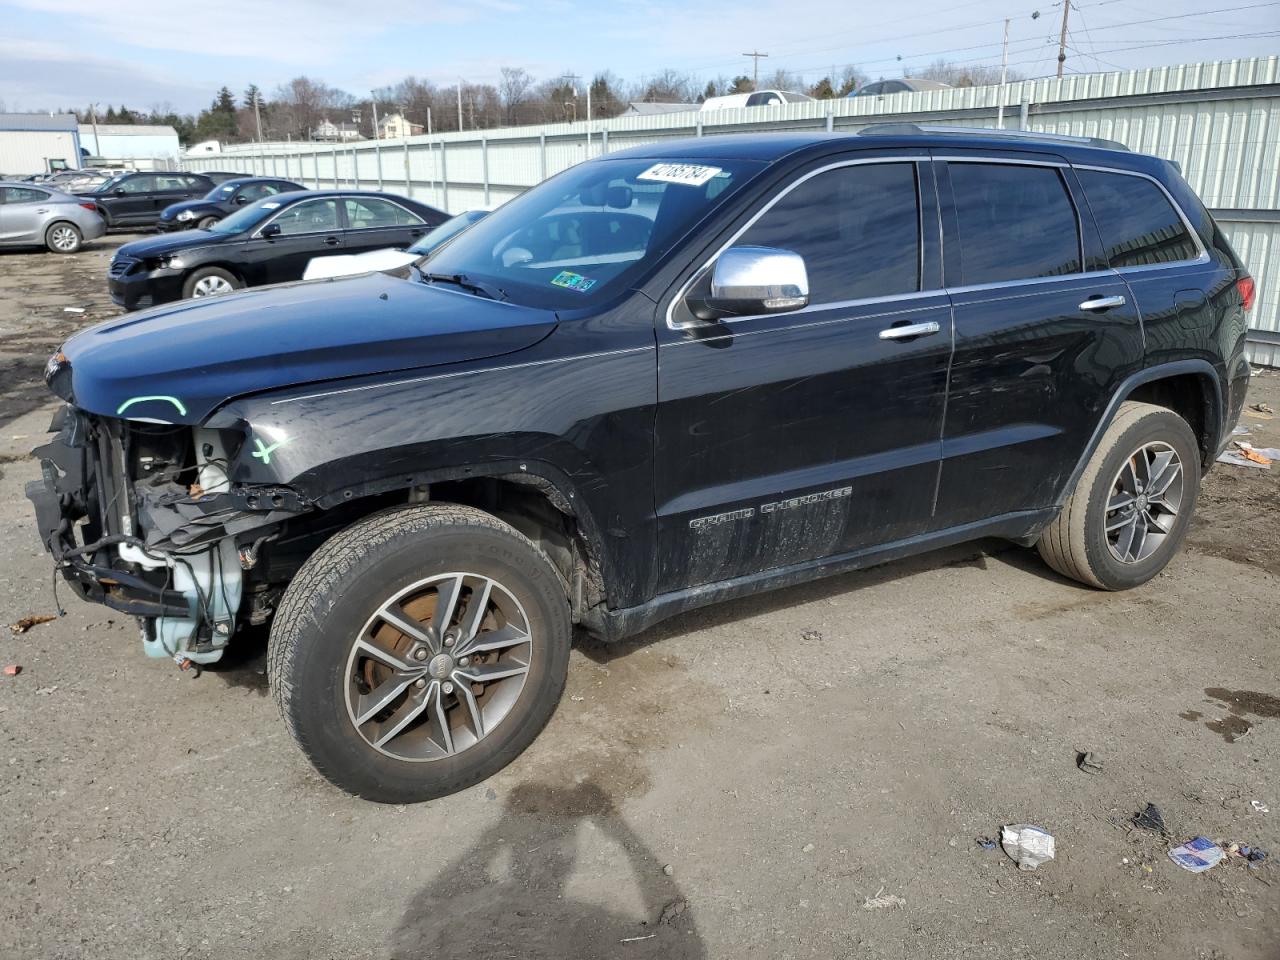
<point x="689" y="174"/>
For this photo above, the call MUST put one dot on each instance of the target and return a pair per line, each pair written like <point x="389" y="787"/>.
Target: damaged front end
<point x="141" y="516"/>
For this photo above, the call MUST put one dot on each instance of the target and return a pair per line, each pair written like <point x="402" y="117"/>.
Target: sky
<point x="64" y="53"/>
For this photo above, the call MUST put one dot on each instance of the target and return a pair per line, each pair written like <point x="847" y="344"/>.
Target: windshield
<point x="246" y="218"/>
<point x="222" y="192"/>
<point x="109" y="184"/>
<point x="586" y="233"/>
<point x="446" y="231"/>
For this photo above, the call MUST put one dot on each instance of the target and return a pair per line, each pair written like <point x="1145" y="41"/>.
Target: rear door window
<point x="857" y="227"/>
<point x="366" y="213"/>
<point x="143" y="183"/>
<point x="1139" y="225"/>
<point x="22" y="195"/>
<point x="1016" y="222"/>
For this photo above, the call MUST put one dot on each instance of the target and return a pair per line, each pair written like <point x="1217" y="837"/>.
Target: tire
<point x="324" y="681"/>
<point x="205" y="277"/>
<point x="1080" y="543"/>
<point x="207" y="222"/>
<point x="63" y="237"/>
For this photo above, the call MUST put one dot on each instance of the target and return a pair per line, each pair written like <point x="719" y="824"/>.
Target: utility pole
<point x="459" y="104"/>
<point x="257" y="113"/>
<point x="1004" y="69"/>
<point x="755" y="56"/>
<point x="1062" y="37"/>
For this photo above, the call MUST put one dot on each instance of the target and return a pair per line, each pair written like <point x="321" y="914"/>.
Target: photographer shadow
<point x="509" y="894"/>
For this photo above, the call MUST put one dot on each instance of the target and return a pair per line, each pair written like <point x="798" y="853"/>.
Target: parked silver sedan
<point x="34" y="215"/>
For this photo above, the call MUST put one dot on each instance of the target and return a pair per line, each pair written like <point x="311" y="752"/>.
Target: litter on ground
<point x="1089" y="762"/>
<point x="1150" y="819"/>
<point x="878" y="902"/>
<point x="1197" y="855"/>
<point x="34" y="620"/>
<point x="12" y="670"/>
<point x="1238" y="459"/>
<point x="1028" y="845"/>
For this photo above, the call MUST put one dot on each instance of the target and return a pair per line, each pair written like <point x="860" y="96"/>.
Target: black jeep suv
<point x="137" y="199"/>
<point x="666" y="377"/>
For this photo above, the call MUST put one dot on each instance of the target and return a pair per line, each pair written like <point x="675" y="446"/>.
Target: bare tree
<point x="963" y="75"/>
<point x="669" y="86"/>
<point x="302" y="103"/>
<point x="783" y="80"/>
<point x="849" y="80"/>
<point x="513" y="90"/>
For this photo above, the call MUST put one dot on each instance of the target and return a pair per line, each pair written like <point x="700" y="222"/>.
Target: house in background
<point x="142" y="143"/>
<point x="326" y="129"/>
<point x="394" y="126"/>
<point x="38" y="143"/>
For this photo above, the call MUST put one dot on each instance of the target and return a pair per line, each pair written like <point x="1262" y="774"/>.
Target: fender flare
<point x="1147" y="375"/>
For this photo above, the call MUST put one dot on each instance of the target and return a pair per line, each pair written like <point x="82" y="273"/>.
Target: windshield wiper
<point x="461" y="280"/>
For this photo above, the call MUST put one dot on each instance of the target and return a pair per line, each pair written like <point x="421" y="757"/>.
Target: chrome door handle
<point x="910" y="330"/>
<point x="331" y="241"/>
<point x="1102" y="303"/>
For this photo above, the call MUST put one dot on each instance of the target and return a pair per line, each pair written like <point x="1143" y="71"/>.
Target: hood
<point x="164" y="244"/>
<point x="178" y="363"/>
<point x="196" y="206"/>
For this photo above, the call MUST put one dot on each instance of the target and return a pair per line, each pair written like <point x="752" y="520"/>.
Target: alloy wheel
<point x="1143" y="506"/>
<point x="211" y="287"/>
<point x="438" y="667"/>
<point x="64" y="239"/>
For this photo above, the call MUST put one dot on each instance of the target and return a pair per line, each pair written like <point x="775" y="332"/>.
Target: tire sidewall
<point x="318" y="671"/>
<point x="1158" y="426"/>
<point x="204" y="223"/>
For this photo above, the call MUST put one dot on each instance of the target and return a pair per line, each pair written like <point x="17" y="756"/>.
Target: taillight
<point x="1247" y="289"/>
<point x="90" y="206"/>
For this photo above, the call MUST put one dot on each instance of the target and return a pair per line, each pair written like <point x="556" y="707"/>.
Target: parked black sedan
<point x="269" y="241"/>
<point x="136" y="199"/>
<point x="223" y="199"/>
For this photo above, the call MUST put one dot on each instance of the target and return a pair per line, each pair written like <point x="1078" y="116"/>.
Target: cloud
<point x="45" y="76"/>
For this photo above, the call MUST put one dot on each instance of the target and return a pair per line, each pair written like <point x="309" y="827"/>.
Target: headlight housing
<point x="185" y="215"/>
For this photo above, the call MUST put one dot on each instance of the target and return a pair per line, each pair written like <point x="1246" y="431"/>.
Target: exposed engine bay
<point x="143" y="518"/>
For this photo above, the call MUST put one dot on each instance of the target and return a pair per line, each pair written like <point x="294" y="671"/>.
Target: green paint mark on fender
<point x="263" y="452"/>
<point x="132" y="400"/>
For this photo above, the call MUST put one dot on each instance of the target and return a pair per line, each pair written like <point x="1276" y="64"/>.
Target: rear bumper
<point x="94" y="229"/>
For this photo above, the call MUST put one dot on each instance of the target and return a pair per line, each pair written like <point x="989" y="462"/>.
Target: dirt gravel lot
<point x="813" y="765"/>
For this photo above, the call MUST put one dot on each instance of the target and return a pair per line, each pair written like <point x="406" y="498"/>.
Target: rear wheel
<point x="63" y="238"/>
<point x="1131" y="508"/>
<point x="206" y="222"/>
<point x="209" y="282"/>
<point x="420" y="651"/>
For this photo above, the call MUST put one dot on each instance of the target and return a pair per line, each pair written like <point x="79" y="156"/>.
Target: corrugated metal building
<point x="30" y="141"/>
<point x="1219" y="120"/>
<point x="125" y="141"/>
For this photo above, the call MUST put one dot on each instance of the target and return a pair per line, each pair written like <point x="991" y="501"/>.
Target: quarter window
<point x="314" y="216"/>
<point x="367" y="213"/>
<point x="1138" y="224"/>
<point x="857" y="227"/>
<point x="1016" y="223"/>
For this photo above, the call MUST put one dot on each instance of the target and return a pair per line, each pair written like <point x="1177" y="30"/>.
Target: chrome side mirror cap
<point x="748" y="281"/>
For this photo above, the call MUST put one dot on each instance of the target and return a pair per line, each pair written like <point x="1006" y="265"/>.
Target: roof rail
<point x="904" y="129"/>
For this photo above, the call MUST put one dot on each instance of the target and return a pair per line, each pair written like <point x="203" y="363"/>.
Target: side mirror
<point x="240" y="200"/>
<point x="119" y="191"/>
<point x="748" y="281"/>
<point x="271" y="230"/>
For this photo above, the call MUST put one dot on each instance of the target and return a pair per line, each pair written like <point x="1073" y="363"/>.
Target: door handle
<point x="331" y="241"/>
<point x="907" y="331"/>
<point x="1102" y="303"/>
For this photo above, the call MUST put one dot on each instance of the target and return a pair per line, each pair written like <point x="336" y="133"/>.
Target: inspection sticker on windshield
<point x="572" y="281"/>
<point x="689" y="174"/>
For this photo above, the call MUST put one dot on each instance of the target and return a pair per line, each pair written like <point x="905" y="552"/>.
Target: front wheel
<point x="206" y="222"/>
<point x="1131" y="508"/>
<point x="419" y="651"/>
<point x="209" y="282"/>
